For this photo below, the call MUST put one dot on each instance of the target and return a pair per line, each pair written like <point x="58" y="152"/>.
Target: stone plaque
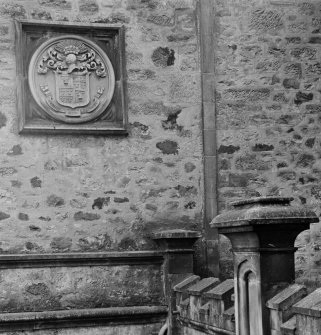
<point x="71" y="80"/>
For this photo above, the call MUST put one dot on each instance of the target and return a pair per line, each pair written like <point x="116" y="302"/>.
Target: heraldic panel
<point x="71" y="78"/>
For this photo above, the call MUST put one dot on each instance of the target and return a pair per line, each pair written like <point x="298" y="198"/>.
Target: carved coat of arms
<point x="72" y="79"/>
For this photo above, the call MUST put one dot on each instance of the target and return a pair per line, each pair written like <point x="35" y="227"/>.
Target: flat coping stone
<point x="230" y="313"/>
<point x="176" y="233"/>
<point x="221" y="290"/>
<point x="287" y="297"/>
<point x="203" y="286"/>
<point x="185" y="303"/>
<point x="310" y="305"/>
<point x="183" y="285"/>
<point x="289" y="327"/>
<point x="81" y="313"/>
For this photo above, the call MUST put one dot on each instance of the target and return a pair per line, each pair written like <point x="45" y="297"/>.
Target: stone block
<point x="288" y="327"/>
<point x="281" y="305"/>
<point x="196" y="292"/>
<point x="308" y="314"/>
<point x="181" y="294"/>
<point x="219" y="299"/>
<point x="250" y="95"/>
<point x="264" y="19"/>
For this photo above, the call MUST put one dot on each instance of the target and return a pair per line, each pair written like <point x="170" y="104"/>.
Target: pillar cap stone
<point x="264" y="211"/>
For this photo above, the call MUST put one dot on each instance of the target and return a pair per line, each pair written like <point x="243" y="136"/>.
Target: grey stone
<point x="23" y="217"/>
<point x="86" y="216"/>
<point x="55" y="201"/>
<point x="35" y="182"/>
<point x="15" y="150"/>
<point x="168" y="147"/>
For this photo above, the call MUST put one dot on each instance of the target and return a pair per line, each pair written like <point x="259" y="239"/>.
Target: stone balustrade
<point x="205" y="305"/>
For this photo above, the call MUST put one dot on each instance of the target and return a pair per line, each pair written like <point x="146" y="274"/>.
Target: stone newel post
<point x="177" y="246"/>
<point x="262" y="232"/>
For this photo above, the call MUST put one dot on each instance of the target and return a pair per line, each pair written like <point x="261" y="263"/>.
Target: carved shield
<point x="72" y="89"/>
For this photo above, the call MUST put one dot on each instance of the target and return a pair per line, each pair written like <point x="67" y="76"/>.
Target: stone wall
<point x="268" y="110"/>
<point x="82" y="193"/>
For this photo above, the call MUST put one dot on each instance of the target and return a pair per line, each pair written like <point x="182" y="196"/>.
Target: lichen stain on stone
<point x="61" y="243"/>
<point x="34" y="228"/>
<point x="163" y="57"/>
<point x="55" y="201"/>
<point x="189" y="167"/>
<point x="190" y="205"/>
<point x="127" y="244"/>
<point x="99" y="203"/>
<point x="15" y="150"/>
<point x="13" y="10"/>
<point x="35" y="182"/>
<point x="38" y="289"/>
<point x="121" y="200"/>
<point x="23" y="217"/>
<point x="151" y="207"/>
<point x="110" y="192"/>
<point x="41" y="15"/>
<point x="171" y="122"/>
<point x="186" y="191"/>
<point x="16" y="183"/>
<point x="86" y="216"/>
<point x="7" y="171"/>
<point x="168" y="147"/>
<point x="262" y="19"/>
<point x="44" y="218"/>
<point x="4" y="216"/>
<point x="95" y="243"/>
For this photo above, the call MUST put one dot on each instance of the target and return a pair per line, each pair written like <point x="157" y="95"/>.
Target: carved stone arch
<point x="249" y="299"/>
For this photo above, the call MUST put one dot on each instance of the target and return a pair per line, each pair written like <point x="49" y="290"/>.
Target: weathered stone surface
<point x="61" y="243"/>
<point x="99" y="203"/>
<point x="35" y="182"/>
<point x="304" y="53"/>
<point x="86" y="216"/>
<point x="251" y="95"/>
<point x="121" y="200"/>
<point x="16" y="183"/>
<point x="251" y="162"/>
<point x="4" y="216"/>
<point x="291" y="83"/>
<point x="34" y="228"/>
<point x="90" y="6"/>
<point x="71" y="212"/>
<point x="91" y="287"/>
<point x="13" y="10"/>
<point x="262" y="147"/>
<point x="23" y="217"/>
<point x="41" y="15"/>
<point x="171" y="122"/>
<point x="302" y="97"/>
<point x="163" y="57"/>
<point x="189" y="167"/>
<point x="15" y="150"/>
<point x="168" y="147"/>
<point x="95" y="243"/>
<point x="263" y="19"/>
<point x="56" y="3"/>
<point x="45" y="218"/>
<point x="305" y="160"/>
<point x="55" y="201"/>
<point x="229" y="149"/>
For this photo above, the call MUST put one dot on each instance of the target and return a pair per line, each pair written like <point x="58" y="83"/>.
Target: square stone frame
<point x="30" y="34"/>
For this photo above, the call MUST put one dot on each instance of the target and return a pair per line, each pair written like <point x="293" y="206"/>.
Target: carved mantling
<point x="71" y="79"/>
